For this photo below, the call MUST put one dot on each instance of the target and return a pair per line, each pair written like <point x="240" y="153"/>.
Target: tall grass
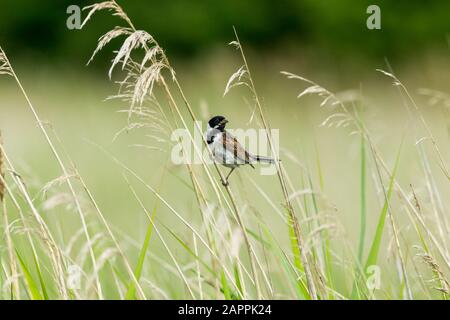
<point x="233" y="250"/>
<point x="347" y="117"/>
<point x="2" y="173"/>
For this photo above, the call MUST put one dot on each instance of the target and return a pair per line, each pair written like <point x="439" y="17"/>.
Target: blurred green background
<point x="335" y="28"/>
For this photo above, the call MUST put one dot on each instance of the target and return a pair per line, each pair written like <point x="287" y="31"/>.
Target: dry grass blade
<point x="137" y="39"/>
<point x="105" y="5"/>
<point x="290" y="75"/>
<point x="235" y="79"/>
<point x="145" y="83"/>
<point x="2" y="173"/>
<point x="311" y="90"/>
<point x="328" y="97"/>
<point x="235" y="44"/>
<point x="151" y="55"/>
<point x="4" y="65"/>
<point x="107" y="37"/>
<point x="396" y="82"/>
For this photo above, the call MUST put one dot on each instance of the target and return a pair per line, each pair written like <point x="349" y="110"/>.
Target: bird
<point x="225" y="148"/>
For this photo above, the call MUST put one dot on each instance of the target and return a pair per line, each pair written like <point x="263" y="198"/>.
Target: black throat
<point x="220" y="129"/>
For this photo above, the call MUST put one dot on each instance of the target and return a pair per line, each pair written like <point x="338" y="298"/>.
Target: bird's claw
<point x="225" y="183"/>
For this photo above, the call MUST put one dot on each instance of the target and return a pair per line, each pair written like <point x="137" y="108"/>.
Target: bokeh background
<point x="326" y="41"/>
<point x="188" y="28"/>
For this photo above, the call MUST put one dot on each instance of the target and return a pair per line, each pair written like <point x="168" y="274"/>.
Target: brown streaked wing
<point x="231" y="144"/>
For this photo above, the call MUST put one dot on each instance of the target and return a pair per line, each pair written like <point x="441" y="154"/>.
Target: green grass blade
<point x="300" y="286"/>
<point x="258" y="238"/>
<point x="294" y="246"/>
<point x="189" y="250"/>
<point x="372" y="257"/>
<point x="225" y="287"/>
<point x="31" y="284"/>
<point x="237" y="279"/>
<point x="363" y="213"/>
<point x="319" y="165"/>
<point x="296" y="254"/>
<point x="131" y="291"/>
<point x="375" y="247"/>
<point x="120" y="275"/>
<point x="41" y="279"/>
<point x="326" y="243"/>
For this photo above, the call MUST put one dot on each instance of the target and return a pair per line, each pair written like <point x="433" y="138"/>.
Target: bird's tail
<point x="265" y="159"/>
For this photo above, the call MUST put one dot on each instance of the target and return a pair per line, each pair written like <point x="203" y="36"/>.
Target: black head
<point x="218" y="122"/>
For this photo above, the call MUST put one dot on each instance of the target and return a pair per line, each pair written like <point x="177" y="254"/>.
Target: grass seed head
<point x="439" y="275"/>
<point x="105" y="5"/>
<point x="4" y="64"/>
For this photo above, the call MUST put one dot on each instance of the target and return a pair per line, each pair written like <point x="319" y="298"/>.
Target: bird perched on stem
<point x="227" y="150"/>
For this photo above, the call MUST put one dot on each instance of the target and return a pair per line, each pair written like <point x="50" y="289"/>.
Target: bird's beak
<point x="224" y="121"/>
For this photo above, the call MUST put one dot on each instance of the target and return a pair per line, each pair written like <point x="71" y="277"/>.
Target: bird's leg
<point x="225" y="183"/>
